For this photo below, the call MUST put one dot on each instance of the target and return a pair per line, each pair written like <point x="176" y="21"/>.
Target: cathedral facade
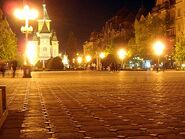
<point x="45" y="40"/>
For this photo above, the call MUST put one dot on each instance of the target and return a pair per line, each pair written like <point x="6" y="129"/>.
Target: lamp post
<point x="158" y="49"/>
<point x="102" y="56"/>
<point x="79" y="60"/>
<point x="121" y="54"/>
<point x="88" y="58"/>
<point x="26" y="14"/>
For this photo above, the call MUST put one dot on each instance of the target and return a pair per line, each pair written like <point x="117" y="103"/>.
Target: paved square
<point x="75" y="105"/>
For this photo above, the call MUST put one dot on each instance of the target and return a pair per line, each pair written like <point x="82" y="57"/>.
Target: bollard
<point x="3" y="105"/>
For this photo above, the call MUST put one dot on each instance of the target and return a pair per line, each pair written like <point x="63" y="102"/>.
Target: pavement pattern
<point x="88" y="105"/>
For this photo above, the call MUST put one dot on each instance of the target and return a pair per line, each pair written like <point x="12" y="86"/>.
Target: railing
<point x="3" y="105"/>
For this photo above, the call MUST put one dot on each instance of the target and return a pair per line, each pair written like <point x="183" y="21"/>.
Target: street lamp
<point x="102" y="56"/>
<point x="121" y="54"/>
<point x="79" y="60"/>
<point x="88" y="58"/>
<point x="65" y="61"/>
<point x="26" y="14"/>
<point x="158" y="49"/>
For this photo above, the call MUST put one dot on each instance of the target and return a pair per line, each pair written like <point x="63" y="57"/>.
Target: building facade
<point x="45" y="40"/>
<point x="166" y="10"/>
<point x="180" y="19"/>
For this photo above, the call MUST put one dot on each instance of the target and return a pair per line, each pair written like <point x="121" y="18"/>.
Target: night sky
<point x="78" y="16"/>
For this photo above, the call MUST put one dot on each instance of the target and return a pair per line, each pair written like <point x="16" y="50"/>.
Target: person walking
<point x="3" y="68"/>
<point x="14" y="67"/>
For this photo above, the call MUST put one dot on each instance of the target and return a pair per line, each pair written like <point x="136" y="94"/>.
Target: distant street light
<point x="88" y="58"/>
<point x="65" y="60"/>
<point x="121" y="54"/>
<point x="102" y="55"/>
<point x="79" y="60"/>
<point x="158" y="49"/>
<point x="73" y="60"/>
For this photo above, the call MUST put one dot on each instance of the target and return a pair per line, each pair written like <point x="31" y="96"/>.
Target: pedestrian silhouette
<point x="14" y="67"/>
<point x="3" y="68"/>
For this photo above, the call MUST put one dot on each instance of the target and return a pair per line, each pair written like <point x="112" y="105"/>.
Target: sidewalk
<point x="95" y="105"/>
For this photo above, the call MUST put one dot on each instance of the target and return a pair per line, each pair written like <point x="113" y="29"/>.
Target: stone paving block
<point x="160" y="131"/>
<point x="98" y="134"/>
<point x="152" y="126"/>
<point x="94" y="128"/>
<point x="172" y="136"/>
<point x="115" y="122"/>
<point x="33" y="124"/>
<point x="142" y="137"/>
<point x="34" y="135"/>
<point x="125" y="127"/>
<point x="132" y="132"/>
<point x="92" y="123"/>
<point x="72" y="135"/>
<point x="65" y="129"/>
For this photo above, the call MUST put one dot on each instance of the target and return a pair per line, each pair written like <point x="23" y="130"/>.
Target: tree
<point x="55" y="64"/>
<point x="20" y="59"/>
<point x="147" y="30"/>
<point x="72" y="45"/>
<point x="180" y="50"/>
<point x="8" y="40"/>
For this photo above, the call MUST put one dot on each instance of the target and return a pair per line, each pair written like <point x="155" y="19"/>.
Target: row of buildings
<point x="120" y="28"/>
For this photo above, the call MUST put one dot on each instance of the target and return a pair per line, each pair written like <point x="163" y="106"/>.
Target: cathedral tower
<point x="47" y="42"/>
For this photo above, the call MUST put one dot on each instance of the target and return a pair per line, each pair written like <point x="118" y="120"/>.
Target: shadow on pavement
<point x="12" y="126"/>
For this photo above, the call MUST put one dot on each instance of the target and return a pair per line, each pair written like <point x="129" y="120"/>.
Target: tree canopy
<point x="72" y="45"/>
<point x="147" y="30"/>
<point x="8" y="40"/>
<point x="180" y="50"/>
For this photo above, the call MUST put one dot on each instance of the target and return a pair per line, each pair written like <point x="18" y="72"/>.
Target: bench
<point x="3" y="105"/>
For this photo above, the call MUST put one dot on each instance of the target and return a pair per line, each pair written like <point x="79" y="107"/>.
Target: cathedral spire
<point x="45" y="13"/>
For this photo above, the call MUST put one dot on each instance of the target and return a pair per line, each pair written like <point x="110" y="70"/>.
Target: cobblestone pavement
<point x="77" y="105"/>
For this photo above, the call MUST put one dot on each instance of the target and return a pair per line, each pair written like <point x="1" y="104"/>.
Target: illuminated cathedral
<point x="44" y="39"/>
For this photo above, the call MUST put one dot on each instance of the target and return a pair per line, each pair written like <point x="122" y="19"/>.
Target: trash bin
<point x="27" y="72"/>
